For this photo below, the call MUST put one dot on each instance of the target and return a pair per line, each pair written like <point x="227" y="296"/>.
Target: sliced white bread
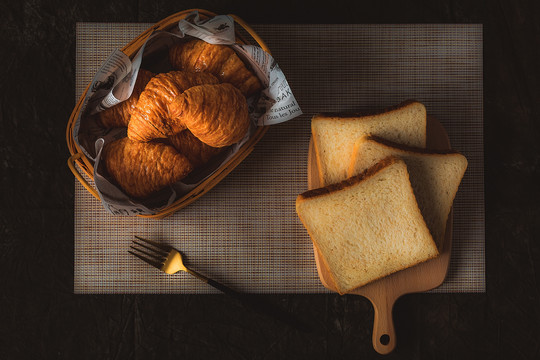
<point x="435" y="176"/>
<point x="334" y="135"/>
<point x="368" y="226"/>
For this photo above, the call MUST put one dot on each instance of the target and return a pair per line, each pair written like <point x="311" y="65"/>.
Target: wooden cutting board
<point x="384" y="292"/>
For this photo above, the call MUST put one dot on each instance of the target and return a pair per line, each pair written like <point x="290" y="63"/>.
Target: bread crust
<point x="318" y="158"/>
<point x="394" y="145"/>
<point x="350" y="181"/>
<point x="357" y="114"/>
<point x="408" y="148"/>
<point x="347" y="291"/>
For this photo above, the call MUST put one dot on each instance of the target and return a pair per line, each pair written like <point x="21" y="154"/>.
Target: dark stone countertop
<point x="41" y="318"/>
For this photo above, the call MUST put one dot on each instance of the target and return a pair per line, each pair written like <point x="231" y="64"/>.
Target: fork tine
<point x="152" y="255"/>
<point x="148" y="261"/>
<point x="156" y="251"/>
<point x="156" y="244"/>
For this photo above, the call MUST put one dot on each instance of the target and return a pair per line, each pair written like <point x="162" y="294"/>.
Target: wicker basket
<point x="85" y="165"/>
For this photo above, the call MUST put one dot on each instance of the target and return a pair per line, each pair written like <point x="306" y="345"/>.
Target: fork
<point x="170" y="261"/>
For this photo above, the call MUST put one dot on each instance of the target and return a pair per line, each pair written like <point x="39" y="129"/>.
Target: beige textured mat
<point x="245" y="232"/>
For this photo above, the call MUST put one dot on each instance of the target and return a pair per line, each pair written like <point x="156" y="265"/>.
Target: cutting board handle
<point x="384" y="335"/>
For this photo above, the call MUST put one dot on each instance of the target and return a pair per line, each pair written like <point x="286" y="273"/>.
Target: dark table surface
<point x="41" y="318"/>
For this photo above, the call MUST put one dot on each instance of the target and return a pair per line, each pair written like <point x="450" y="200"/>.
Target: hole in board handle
<point x="384" y="339"/>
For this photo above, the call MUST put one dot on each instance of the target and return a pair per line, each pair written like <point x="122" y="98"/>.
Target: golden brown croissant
<point x="197" y="152"/>
<point x="119" y="114"/>
<point x="143" y="168"/>
<point x="219" y="60"/>
<point x="216" y="114"/>
<point x="150" y="117"/>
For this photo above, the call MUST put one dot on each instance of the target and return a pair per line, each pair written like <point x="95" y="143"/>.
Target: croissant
<point x="150" y="117"/>
<point x="119" y="114"/>
<point x="219" y="60"/>
<point x="143" y="168"/>
<point x="197" y="152"/>
<point x="216" y="114"/>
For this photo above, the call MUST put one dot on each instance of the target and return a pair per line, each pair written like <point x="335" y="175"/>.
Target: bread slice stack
<point x="385" y="199"/>
<point x="368" y="226"/>
<point x="434" y="175"/>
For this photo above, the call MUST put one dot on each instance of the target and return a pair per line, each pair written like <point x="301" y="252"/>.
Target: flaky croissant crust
<point x="216" y="114"/>
<point x="150" y="118"/>
<point x="197" y="152"/>
<point x="219" y="60"/>
<point x="142" y="168"/>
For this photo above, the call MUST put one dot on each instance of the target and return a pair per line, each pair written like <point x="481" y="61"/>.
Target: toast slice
<point x="334" y="135"/>
<point x="368" y="226"/>
<point x="435" y="176"/>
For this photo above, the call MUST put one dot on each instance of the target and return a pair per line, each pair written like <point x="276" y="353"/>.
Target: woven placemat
<point x="245" y="232"/>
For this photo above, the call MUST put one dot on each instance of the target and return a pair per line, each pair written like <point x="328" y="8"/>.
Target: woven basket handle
<point x="251" y="32"/>
<point x="82" y="180"/>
